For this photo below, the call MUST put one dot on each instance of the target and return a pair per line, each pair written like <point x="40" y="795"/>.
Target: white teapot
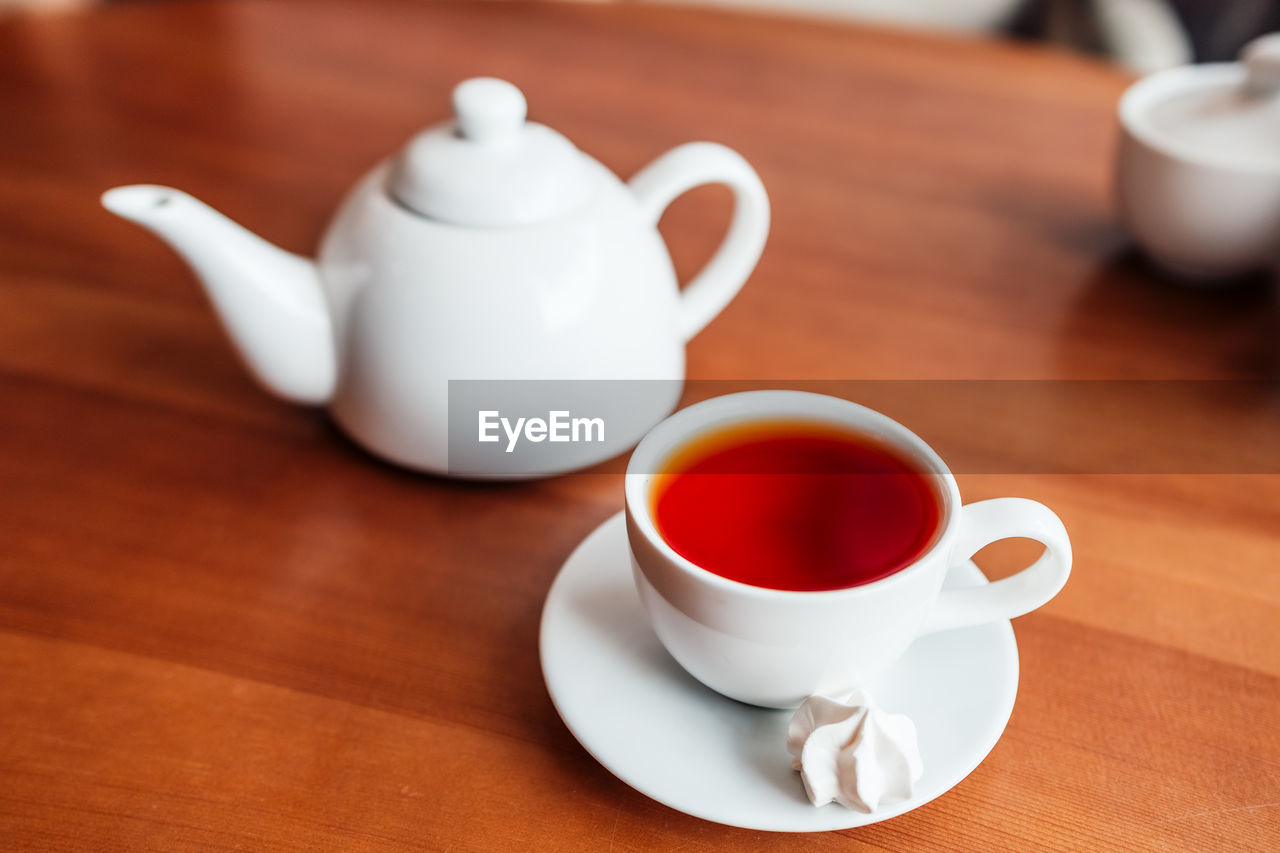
<point x="489" y="248"/>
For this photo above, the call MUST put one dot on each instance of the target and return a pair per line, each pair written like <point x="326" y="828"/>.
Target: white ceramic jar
<point x="1198" y="166"/>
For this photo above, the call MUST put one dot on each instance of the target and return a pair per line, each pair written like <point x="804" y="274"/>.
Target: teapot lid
<point x="1225" y="113"/>
<point x="489" y="167"/>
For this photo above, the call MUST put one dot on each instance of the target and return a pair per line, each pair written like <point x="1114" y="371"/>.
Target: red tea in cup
<point x="796" y="506"/>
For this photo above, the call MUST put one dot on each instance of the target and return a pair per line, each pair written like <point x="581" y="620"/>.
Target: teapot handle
<point x="680" y="170"/>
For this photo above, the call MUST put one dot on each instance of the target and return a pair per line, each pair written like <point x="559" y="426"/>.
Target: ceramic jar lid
<point x="1225" y="113"/>
<point x="489" y="167"/>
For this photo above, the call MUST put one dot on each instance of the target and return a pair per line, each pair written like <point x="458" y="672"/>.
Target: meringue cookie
<point x="853" y="753"/>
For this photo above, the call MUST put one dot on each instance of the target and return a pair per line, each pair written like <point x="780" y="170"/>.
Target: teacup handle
<point x="680" y="170"/>
<point x="985" y="522"/>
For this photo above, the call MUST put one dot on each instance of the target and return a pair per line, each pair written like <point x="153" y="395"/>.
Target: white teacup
<point x="775" y="647"/>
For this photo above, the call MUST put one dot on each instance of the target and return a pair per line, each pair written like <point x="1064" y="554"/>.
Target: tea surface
<point x="796" y="507"/>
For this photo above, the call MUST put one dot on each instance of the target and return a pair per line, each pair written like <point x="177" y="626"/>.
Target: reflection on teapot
<point x="489" y="248"/>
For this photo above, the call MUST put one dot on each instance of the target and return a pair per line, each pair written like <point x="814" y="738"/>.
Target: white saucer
<point x="666" y="735"/>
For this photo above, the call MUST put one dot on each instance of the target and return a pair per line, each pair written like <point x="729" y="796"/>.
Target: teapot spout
<point x="269" y="300"/>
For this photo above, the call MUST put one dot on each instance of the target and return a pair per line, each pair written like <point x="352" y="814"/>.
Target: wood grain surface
<point x="224" y="627"/>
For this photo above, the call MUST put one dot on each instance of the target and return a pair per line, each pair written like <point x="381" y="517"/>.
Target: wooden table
<point x="222" y="626"/>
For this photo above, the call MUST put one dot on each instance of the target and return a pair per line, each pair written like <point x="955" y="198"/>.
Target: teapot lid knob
<point x="489" y="167"/>
<point x="488" y="109"/>
<point x="1261" y="60"/>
